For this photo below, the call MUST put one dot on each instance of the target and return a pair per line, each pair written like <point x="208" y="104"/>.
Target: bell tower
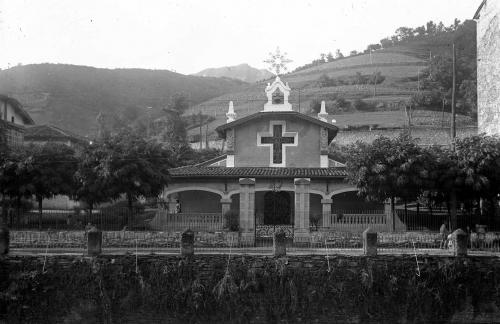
<point x="277" y="96"/>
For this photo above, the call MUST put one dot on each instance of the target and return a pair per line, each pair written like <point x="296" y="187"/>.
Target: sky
<point x="187" y="36"/>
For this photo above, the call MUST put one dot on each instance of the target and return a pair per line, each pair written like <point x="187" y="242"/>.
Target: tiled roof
<point x="256" y="172"/>
<point x="40" y="132"/>
<point x="18" y="108"/>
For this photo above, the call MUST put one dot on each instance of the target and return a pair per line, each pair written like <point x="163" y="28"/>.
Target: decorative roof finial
<point x="231" y="115"/>
<point x="322" y="115"/>
<point x="277" y="62"/>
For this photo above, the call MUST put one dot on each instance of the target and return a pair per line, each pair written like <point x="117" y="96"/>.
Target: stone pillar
<point x="301" y="226"/>
<point x="327" y="212"/>
<point x="247" y="210"/>
<point x="369" y="242"/>
<point x="4" y="240"/>
<point x="187" y="243"/>
<point x="279" y="244"/>
<point x="460" y="243"/>
<point x="94" y="241"/>
<point x="225" y="207"/>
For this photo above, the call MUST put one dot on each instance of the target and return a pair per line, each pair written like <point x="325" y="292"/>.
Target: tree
<point x="479" y="159"/>
<point x="134" y="167"/>
<point x="388" y="169"/>
<point x="420" y="32"/>
<point x="338" y="54"/>
<point x="329" y="57"/>
<point x="50" y="169"/>
<point x="174" y="132"/>
<point x="353" y="52"/>
<point x="373" y="47"/>
<point x="431" y="28"/>
<point x="93" y="184"/>
<point x="386" y="42"/>
<point x="315" y="106"/>
<point x="404" y="34"/>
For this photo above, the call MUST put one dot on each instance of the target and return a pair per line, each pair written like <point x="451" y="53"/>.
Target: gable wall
<point x="248" y="154"/>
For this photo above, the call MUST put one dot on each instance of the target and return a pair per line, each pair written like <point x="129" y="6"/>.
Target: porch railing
<point x="347" y="220"/>
<point x="182" y="221"/>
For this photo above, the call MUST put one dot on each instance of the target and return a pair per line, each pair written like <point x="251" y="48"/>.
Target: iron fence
<point x="73" y="220"/>
<point x="220" y="242"/>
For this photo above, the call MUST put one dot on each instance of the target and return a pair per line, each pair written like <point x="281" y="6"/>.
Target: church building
<point x="276" y="173"/>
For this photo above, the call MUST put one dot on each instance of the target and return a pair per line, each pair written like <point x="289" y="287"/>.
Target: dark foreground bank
<point x="213" y="288"/>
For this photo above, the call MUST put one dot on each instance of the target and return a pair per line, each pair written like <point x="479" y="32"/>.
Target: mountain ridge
<point x="243" y="72"/>
<point x="71" y="96"/>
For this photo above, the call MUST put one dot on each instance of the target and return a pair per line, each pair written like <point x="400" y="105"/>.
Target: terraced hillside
<point x="399" y="65"/>
<point x="395" y="67"/>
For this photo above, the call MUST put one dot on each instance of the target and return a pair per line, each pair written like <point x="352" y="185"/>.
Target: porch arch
<point x="339" y="191"/>
<point x="166" y="193"/>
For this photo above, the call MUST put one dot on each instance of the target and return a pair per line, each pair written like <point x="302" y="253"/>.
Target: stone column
<point x="279" y="244"/>
<point x="301" y="226"/>
<point x="459" y="243"/>
<point x="4" y="240"/>
<point x="225" y="207"/>
<point x="327" y="212"/>
<point x="369" y="242"/>
<point x="187" y="243"/>
<point x="94" y="241"/>
<point x="247" y="210"/>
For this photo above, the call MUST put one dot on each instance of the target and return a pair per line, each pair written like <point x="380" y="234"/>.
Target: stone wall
<point x="220" y="288"/>
<point x="488" y="68"/>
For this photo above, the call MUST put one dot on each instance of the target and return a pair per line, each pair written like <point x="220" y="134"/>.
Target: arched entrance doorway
<point x="277" y="208"/>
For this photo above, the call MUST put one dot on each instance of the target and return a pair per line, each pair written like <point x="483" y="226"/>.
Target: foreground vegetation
<point x="245" y="289"/>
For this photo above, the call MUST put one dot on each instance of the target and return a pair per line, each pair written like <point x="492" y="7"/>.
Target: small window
<point x="12" y="119"/>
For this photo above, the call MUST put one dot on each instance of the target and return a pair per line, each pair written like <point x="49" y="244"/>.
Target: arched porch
<point x="346" y="211"/>
<point x="199" y="209"/>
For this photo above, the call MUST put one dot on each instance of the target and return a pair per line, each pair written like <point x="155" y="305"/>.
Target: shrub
<point x="315" y="220"/>
<point x="232" y="218"/>
<point x="315" y="105"/>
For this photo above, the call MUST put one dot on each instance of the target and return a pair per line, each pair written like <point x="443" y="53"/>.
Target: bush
<point x="232" y="219"/>
<point x="315" y="220"/>
<point x="315" y="105"/>
<point x="361" y="105"/>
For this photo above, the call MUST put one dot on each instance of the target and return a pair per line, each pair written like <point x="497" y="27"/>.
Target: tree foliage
<point x="399" y="168"/>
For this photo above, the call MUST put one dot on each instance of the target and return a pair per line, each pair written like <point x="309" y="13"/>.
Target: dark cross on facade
<point x="277" y="140"/>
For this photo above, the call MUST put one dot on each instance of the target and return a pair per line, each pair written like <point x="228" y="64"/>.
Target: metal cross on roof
<point x="277" y="61"/>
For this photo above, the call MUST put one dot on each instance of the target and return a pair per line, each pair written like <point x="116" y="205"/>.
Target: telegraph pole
<point x="453" y="99"/>
<point x="453" y="193"/>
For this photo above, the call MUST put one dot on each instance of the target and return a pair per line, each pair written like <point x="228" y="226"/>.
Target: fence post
<point x="460" y="243"/>
<point x="4" y="239"/>
<point x="369" y="242"/>
<point x="94" y="241"/>
<point x="279" y="240"/>
<point x="187" y="243"/>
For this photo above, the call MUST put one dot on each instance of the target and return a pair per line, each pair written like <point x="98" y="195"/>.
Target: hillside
<point x="71" y="96"/>
<point x="243" y="72"/>
<point x="400" y="67"/>
<point x="395" y="67"/>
